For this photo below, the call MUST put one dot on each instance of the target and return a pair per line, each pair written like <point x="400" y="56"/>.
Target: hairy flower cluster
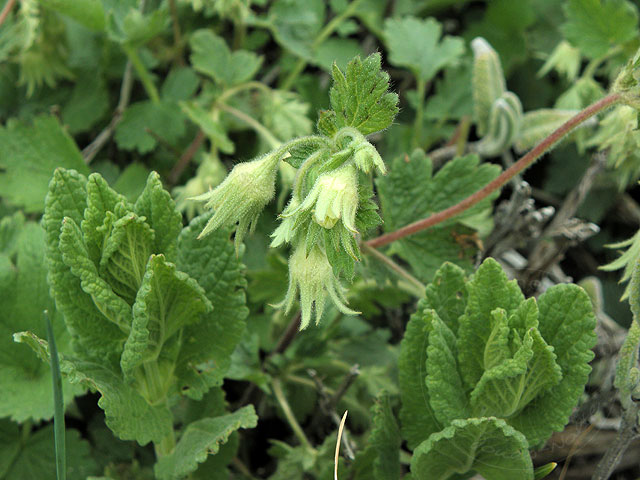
<point x="320" y="220"/>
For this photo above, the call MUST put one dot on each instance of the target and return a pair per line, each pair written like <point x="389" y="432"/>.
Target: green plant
<point x="243" y="223"/>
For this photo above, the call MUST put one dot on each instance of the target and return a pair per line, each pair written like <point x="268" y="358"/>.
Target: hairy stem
<point x="540" y="149"/>
<point x="6" y="9"/>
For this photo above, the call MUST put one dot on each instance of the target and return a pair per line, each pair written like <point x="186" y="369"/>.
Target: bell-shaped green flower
<point x="242" y="196"/>
<point x="334" y="197"/>
<point x="366" y="157"/>
<point x="312" y="277"/>
<point x="286" y="230"/>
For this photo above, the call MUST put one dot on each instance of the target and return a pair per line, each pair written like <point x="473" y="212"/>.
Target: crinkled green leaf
<point x="447" y="295"/>
<point x="33" y="456"/>
<point x="417" y="418"/>
<point x="207" y="346"/>
<point x="211" y="56"/>
<point x="32" y="152"/>
<point x="360" y="96"/>
<point x="411" y="192"/>
<point x="101" y="198"/>
<point x="167" y="301"/>
<point x="132" y="181"/>
<point x="92" y="334"/>
<point x="156" y="204"/>
<point x="125" y="254"/>
<point x="416" y="44"/>
<point x="25" y="382"/>
<point x="507" y="387"/>
<point x="144" y="122"/>
<point x="486" y="445"/>
<point x="447" y="394"/>
<point x="594" y="26"/>
<point x="76" y="257"/>
<point x="566" y="323"/>
<point x="128" y="414"/>
<point x="488" y="289"/>
<point x="497" y="349"/>
<point x="200" y="439"/>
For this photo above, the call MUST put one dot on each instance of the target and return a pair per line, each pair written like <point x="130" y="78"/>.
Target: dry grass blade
<point x="337" y="455"/>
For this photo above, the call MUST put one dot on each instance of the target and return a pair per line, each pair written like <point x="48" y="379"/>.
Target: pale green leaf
<point x="207" y="346"/>
<point x="488" y="289"/>
<point x="486" y="445"/>
<point x="101" y="198"/>
<point x="92" y="335"/>
<point x="166" y="302"/>
<point x="507" y="387"/>
<point x="285" y="114"/>
<point x="417" y="418"/>
<point x="33" y="152"/>
<point x="128" y="414"/>
<point x="447" y="295"/>
<point x="125" y="254"/>
<point x="447" y="394"/>
<point x="211" y="56"/>
<point x="202" y="438"/>
<point x="157" y="206"/>
<point x="566" y="323"/>
<point x="595" y="26"/>
<point x="76" y="257"/>
<point x="360" y="96"/>
<point x="416" y="44"/>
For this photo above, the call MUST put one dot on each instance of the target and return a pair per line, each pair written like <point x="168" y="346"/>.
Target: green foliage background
<point x="115" y="113"/>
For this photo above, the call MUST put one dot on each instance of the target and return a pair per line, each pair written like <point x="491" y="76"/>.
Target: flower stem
<point x="418" y="288"/>
<point x="540" y="149"/>
<point x="143" y="74"/>
<point x="288" y="413"/>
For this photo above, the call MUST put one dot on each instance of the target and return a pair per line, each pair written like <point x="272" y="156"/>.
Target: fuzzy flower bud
<point x="286" y="230"/>
<point x="367" y="157"/>
<point x="312" y="276"/>
<point x="241" y="196"/>
<point x="488" y="81"/>
<point x="334" y="197"/>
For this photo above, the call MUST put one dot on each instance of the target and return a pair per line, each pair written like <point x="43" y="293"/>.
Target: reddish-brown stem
<point x="186" y="157"/>
<point x="5" y="10"/>
<point x="530" y="157"/>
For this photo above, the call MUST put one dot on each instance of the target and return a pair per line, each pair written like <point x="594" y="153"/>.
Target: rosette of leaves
<point x="331" y="200"/>
<point x="486" y="375"/>
<point x="153" y="313"/>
